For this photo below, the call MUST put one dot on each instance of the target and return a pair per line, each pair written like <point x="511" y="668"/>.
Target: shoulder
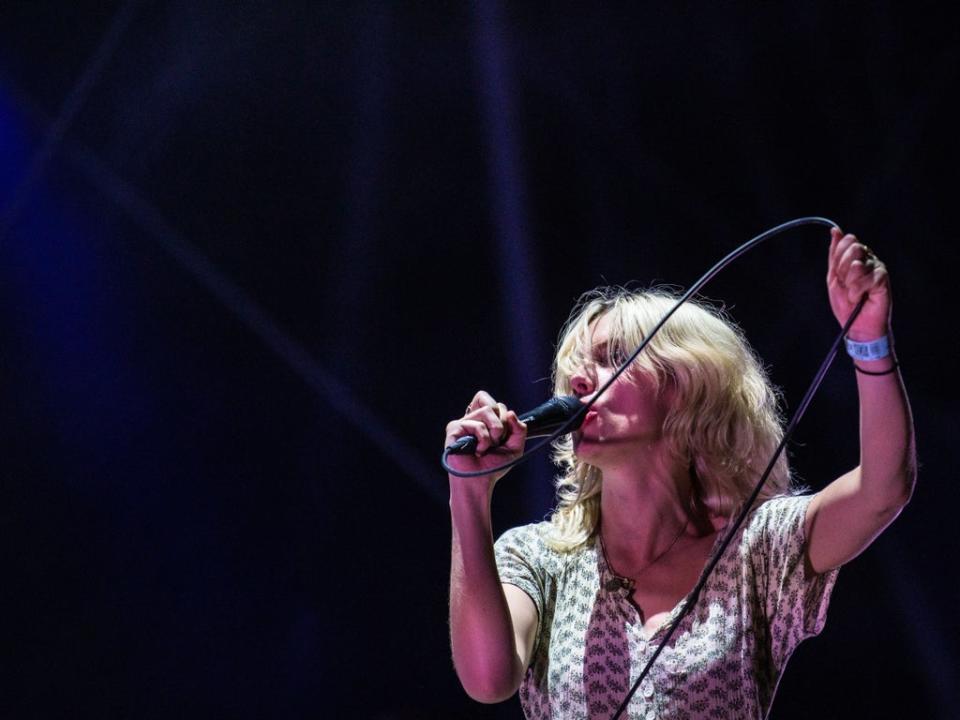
<point x="783" y="513"/>
<point x="527" y="539"/>
<point x="776" y="530"/>
<point x="531" y="544"/>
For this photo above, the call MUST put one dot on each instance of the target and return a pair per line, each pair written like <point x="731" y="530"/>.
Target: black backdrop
<point x="253" y="256"/>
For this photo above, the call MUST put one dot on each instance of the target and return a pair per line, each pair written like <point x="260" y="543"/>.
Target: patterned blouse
<point x="725" y="659"/>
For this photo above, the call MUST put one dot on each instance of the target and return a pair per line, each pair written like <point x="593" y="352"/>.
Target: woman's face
<point x="628" y="417"/>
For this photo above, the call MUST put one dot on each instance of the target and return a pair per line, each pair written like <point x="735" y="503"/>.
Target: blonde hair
<point x="725" y="421"/>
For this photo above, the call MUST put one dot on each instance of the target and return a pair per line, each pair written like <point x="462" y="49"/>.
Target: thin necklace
<point x="620" y="581"/>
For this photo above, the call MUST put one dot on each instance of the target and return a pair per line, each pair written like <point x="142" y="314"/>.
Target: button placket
<point x="646" y="688"/>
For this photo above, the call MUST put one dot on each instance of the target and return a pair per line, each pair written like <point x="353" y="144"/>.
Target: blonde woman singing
<point x="568" y="611"/>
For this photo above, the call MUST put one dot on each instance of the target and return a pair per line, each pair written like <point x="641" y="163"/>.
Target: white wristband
<point x="873" y="350"/>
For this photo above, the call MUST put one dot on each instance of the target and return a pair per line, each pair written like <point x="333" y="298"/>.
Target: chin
<point x="584" y="447"/>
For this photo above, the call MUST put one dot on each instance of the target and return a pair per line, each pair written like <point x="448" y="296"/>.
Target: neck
<point x="644" y="510"/>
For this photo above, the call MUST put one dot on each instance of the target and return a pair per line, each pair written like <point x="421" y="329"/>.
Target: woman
<point x="569" y="611"/>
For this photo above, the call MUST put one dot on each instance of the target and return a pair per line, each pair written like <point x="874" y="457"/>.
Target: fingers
<point x="851" y="264"/>
<point x="843" y="250"/>
<point x="871" y="282"/>
<point x="515" y="432"/>
<point x="480" y="431"/>
<point x="835" y="235"/>
<point x="481" y="399"/>
<point x="489" y="417"/>
<point x="491" y="423"/>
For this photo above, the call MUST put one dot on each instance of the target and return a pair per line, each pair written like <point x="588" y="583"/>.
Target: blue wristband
<point x="873" y="350"/>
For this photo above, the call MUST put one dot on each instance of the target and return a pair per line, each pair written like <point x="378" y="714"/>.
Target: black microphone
<point x="543" y="420"/>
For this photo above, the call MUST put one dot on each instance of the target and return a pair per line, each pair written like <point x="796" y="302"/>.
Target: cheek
<point x="666" y="397"/>
<point x="625" y="397"/>
<point x="647" y="398"/>
<point x="623" y="394"/>
<point x="662" y="398"/>
<point x="601" y="375"/>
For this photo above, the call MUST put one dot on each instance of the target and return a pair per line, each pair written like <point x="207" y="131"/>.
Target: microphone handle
<point x="467" y="445"/>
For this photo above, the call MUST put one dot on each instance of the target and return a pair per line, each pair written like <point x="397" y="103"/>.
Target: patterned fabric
<point x="725" y="659"/>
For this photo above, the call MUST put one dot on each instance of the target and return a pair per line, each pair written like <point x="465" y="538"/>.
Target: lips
<point x="584" y="433"/>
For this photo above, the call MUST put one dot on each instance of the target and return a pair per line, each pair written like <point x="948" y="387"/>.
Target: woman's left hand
<point x="852" y="271"/>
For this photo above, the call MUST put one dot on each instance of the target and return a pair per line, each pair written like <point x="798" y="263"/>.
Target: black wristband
<point x="882" y="372"/>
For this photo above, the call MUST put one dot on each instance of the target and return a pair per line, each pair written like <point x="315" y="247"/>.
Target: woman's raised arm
<point x="846" y="516"/>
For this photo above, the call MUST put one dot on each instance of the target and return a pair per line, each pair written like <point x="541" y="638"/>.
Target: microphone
<point x="543" y="420"/>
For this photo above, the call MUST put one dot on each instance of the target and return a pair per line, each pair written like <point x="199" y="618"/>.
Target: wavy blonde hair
<point x="725" y="421"/>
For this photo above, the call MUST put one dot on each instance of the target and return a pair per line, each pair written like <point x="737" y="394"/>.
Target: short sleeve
<point x="795" y="598"/>
<point x="520" y="555"/>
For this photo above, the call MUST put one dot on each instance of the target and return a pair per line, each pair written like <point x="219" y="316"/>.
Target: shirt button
<point x="651" y="714"/>
<point x="647" y="689"/>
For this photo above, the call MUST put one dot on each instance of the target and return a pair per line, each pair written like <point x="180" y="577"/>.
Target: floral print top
<point x="725" y="659"/>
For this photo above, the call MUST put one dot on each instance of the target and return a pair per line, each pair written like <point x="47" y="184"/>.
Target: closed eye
<point x="601" y="354"/>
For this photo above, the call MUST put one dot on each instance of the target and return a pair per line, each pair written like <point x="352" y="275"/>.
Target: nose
<point x="582" y="382"/>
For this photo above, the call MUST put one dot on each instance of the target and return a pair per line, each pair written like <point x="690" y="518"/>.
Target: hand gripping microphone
<point x="543" y="420"/>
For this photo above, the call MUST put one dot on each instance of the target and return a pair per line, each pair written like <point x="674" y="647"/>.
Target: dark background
<point x="253" y="257"/>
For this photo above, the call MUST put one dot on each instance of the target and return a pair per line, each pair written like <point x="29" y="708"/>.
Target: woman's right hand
<point x="500" y="438"/>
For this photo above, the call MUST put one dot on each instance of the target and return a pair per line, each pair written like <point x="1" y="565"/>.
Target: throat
<point x="629" y="566"/>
